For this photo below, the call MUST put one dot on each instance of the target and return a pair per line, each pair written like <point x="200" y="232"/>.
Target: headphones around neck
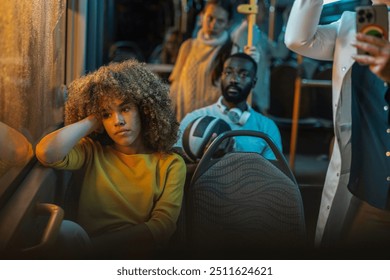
<point x="235" y="114"/>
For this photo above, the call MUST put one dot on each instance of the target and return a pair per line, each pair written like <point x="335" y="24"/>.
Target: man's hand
<point x="377" y="57"/>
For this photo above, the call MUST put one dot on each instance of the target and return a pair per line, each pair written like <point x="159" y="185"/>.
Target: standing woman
<point x="191" y="82"/>
<point x="120" y="130"/>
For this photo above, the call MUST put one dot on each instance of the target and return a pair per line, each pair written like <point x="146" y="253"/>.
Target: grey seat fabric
<point x="243" y="205"/>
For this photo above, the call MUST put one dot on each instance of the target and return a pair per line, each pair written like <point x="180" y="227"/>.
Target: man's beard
<point x="236" y="98"/>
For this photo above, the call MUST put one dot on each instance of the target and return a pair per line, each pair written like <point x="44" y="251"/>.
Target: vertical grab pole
<point x="251" y="21"/>
<point x="177" y="13"/>
<point x="184" y="15"/>
<point x="251" y="10"/>
<point x="271" y="20"/>
<point x="295" y="116"/>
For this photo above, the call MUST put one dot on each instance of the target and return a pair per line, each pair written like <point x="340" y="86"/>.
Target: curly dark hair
<point x="129" y="81"/>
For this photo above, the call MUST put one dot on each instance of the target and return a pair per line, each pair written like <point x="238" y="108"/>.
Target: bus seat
<point x="124" y="50"/>
<point x="177" y="246"/>
<point x="71" y="194"/>
<point x="243" y="206"/>
<point x="282" y="85"/>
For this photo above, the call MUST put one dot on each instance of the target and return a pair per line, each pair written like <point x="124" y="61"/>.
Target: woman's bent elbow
<point x="44" y="155"/>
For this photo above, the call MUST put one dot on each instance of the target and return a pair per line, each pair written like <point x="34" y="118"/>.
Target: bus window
<point x="32" y="72"/>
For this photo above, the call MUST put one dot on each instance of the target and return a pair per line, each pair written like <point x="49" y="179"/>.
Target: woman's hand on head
<point x="96" y="123"/>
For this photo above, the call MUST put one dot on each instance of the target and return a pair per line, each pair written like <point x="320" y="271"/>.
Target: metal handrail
<point x="316" y="83"/>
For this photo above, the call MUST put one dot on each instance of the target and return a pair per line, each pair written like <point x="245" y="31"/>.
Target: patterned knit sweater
<point x="191" y="84"/>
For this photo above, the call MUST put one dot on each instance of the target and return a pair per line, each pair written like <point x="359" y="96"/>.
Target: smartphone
<point x="372" y="20"/>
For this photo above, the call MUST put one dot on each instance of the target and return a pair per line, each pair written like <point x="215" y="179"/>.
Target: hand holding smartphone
<point x="372" y="20"/>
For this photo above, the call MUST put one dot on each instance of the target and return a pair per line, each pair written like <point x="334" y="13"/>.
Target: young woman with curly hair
<point x="120" y="129"/>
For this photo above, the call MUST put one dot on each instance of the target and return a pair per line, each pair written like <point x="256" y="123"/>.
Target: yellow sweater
<point x="121" y="190"/>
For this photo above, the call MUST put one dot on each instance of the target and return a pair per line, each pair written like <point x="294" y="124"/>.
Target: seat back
<point x="71" y="195"/>
<point x="243" y="205"/>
